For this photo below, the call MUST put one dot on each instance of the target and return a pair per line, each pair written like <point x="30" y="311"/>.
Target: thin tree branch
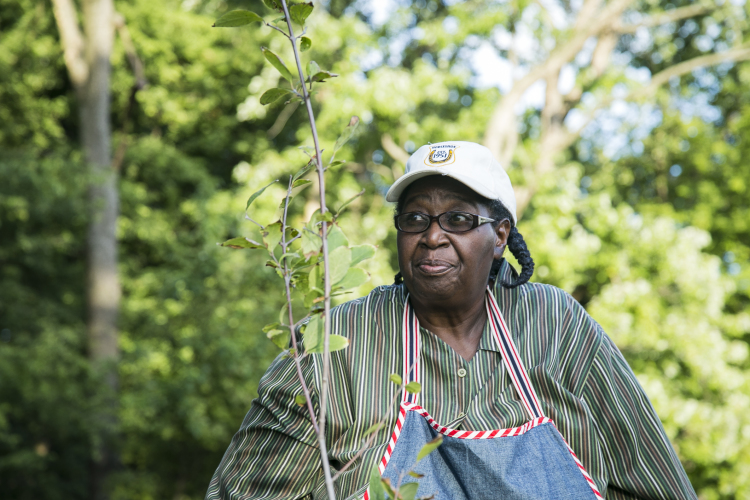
<point x="287" y="280"/>
<point x="393" y="149"/>
<point x="130" y="52"/>
<point x="326" y="263"/>
<point x="72" y="41"/>
<point x="503" y="116"/>
<point x="668" y="17"/>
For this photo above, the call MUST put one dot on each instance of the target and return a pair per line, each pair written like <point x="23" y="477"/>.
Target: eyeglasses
<point x="452" y="222"/>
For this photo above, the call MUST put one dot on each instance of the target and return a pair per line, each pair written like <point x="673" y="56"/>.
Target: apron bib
<point x="530" y="462"/>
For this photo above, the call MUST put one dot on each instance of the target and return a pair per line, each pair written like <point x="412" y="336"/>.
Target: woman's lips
<point x="433" y="266"/>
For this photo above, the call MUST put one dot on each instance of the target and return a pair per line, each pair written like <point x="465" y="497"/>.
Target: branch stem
<point x="326" y="265"/>
<point x="287" y="278"/>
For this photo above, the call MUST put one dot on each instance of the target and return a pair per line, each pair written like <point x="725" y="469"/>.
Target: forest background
<point x="624" y="125"/>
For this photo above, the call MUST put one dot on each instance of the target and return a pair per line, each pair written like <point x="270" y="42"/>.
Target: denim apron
<point x="532" y="461"/>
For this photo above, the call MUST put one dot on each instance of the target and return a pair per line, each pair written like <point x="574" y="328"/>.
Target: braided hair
<point x="516" y="244"/>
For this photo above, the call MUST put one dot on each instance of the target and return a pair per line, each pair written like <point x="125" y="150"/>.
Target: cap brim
<point x="405" y="180"/>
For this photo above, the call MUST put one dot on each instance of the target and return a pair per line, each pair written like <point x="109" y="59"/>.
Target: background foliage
<point x="645" y="220"/>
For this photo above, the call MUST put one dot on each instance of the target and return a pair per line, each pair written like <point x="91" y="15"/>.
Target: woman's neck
<point x="459" y="327"/>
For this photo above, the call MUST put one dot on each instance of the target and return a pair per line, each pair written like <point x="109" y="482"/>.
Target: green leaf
<point x="303" y="171"/>
<point x="255" y="195"/>
<point x="271" y="326"/>
<point x="237" y="18"/>
<point x="430" y="447"/>
<point x="336" y="238"/>
<point x="304" y="44"/>
<point x="273" y="95"/>
<point x="346" y="134"/>
<point x="311" y="242"/>
<point x="408" y="491"/>
<point x="277" y="63"/>
<point x="376" y="487"/>
<point x="272" y="236"/>
<point x="315" y="278"/>
<point x="337" y="343"/>
<point x="322" y="76"/>
<point x="241" y="243"/>
<point x="413" y="387"/>
<point x="353" y="278"/>
<point x="273" y="5"/>
<point x="300" y="399"/>
<point x="340" y="261"/>
<point x="395" y="378"/>
<point x="389" y="488"/>
<point x="415" y="475"/>
<point x="362" y="252"/>
<point x="312" y="69"/>
<point x="313" y="335"/>
<point x="279" y="337"/>
<point x="300" y="182"/>
<point x="374" y="428"/>
<point x="300" y="11"/>
<point x="348" y="202"/>
<point x="335" y="164"/>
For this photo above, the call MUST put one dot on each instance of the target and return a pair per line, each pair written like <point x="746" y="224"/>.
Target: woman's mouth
<point x="434" y="267"/>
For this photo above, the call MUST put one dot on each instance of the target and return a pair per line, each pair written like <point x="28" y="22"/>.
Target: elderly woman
<point x="533" y="400"/>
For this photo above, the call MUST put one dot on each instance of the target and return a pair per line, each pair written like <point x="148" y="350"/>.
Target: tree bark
<point x="87" y="57"/>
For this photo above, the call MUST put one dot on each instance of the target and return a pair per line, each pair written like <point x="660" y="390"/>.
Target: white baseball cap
<point x="467" y="162"/>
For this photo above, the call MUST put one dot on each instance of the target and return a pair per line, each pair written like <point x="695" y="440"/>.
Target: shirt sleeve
<point x="274" y="455"/>
<point x="637" y="458"/>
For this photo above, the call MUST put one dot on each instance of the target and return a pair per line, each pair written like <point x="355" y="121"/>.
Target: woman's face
<point x="441" y="267"/>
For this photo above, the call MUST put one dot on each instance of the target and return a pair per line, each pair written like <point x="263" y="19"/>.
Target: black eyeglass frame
<point x="477" y="221"/>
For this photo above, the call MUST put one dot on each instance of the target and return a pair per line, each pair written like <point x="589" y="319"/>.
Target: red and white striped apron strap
<point x="411" y="370"/>
<point x="512" y="359"/>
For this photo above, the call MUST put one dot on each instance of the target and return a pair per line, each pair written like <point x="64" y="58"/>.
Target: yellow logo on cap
<point x="441" y="155"/>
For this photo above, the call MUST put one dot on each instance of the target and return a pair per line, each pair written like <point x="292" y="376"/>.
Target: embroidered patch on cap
<point x="441" y="155"/>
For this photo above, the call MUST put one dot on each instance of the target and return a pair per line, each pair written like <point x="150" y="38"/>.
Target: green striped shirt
<point x="581" y="378"/>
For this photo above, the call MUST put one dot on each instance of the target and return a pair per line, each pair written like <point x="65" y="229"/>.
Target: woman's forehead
<point x="440" y="189"/>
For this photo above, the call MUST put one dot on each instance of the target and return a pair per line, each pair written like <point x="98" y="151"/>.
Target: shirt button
<point x="461" y="372"/>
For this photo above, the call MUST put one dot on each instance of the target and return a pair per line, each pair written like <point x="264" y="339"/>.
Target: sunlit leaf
<point x="279" y="337"/>
<point x="346" y="134"/>
<point x="273" y="95"/>
<point x="313" y="334"/>
<point x="271" y="326"/>
<point x="272" y="236"/>
<point x="300" y="182"/>
<point x="337" y="343"/>
<point x="377" y="492"/>
<point x="300" y="399"/>
<point x="335" y="164"/>
<point x="315" y="278"/>
<point x="304" y="44"/>
<point x="340" y="260"/>
<point x="242" y="243"/>
<point x="362" y="252"/>
<point x="300" y="11"/>
<point x="277" y="63"/>
<point x="237" y="18"/>
<point x="312" y="69"/>
<point x="413" y="387"/>
<point x="255" y="195"/>
<point x="303" y="171"/>
<point x="395" y="378"/>
<point x="336" y="238"/>
<point x="353" y="278"/>
<point x="388" y="487"/>
<point x="430" y="447"/>
<point x="416" y="475"/>
<point x="311" y="242"/>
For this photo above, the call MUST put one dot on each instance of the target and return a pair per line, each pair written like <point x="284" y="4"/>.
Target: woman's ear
<point x="502" y="232"/>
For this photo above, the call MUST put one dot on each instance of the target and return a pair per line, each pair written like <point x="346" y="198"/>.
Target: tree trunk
<point x="87" y="57"/>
